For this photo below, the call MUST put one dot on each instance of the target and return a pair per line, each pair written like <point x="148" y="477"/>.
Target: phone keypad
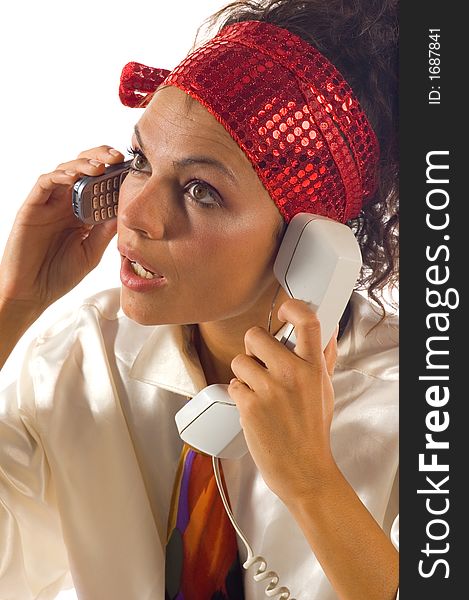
<point x="105" y="198"/>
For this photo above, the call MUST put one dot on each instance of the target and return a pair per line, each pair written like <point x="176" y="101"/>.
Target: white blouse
<point x="89" y="450"/>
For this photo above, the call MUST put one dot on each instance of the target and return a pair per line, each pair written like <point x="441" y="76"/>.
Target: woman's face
<point x="209" y="237"/>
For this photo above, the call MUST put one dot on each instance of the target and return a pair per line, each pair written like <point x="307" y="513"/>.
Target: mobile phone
<point x="95" y="199"/>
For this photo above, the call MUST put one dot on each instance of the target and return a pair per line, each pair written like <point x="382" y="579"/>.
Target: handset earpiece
<point x="318" y="261"/>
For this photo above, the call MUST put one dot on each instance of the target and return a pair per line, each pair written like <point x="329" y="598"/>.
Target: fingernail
<point x="68" y="172"/>
<point x="114" y="152"/>
<point x="95" y="163"/>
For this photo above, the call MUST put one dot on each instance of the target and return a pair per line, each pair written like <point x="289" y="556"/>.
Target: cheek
<point x="230" y="257"/>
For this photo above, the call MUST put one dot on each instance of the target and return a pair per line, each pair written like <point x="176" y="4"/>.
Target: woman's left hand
<point x="286" y="402"/>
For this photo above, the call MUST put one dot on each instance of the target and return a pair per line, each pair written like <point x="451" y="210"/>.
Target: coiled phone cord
<point x="261" y="574"/>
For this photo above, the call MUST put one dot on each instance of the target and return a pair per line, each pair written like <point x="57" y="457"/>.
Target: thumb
<point x="330" y="352"/>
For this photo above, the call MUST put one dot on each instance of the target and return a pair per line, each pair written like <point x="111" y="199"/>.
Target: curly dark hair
<point x="360" y="37"/>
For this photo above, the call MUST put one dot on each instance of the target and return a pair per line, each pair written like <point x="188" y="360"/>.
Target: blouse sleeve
<point x="33" y="556"/>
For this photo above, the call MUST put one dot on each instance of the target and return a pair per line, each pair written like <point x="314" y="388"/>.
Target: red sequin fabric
<point x="288" y="108"/>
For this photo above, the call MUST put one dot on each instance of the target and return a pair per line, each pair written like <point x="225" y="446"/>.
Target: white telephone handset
<point x="318" y="261"/>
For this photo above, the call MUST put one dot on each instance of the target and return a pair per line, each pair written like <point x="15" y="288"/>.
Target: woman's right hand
<point x="49" y="250"/>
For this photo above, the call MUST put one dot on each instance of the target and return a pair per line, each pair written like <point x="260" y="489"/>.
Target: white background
<point x="60" y="68"/>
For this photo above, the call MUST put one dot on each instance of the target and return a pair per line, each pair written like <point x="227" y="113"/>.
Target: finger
<point x="239" y="388"/>
<point x="67" y="176"/>
<point x="264" y="348"/>
<point x="247" y="369"/>
<point x="104" y="153"/>
<point x="241" y="394"/>
<point x="85" y="166"/>
<point x="47" y="183"/>
<point x="307" y="329"/>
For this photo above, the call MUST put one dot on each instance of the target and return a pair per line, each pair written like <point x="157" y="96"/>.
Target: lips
<point x="134" y="256"/>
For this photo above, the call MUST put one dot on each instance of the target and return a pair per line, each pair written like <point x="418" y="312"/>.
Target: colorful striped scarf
<point x="202" y="560"/>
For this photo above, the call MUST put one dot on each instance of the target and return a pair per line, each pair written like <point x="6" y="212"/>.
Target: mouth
<point x="141" y="271"/>
<point x="138" y="264"/>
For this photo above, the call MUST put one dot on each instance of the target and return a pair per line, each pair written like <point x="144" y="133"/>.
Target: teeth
<point x="141" y="272"/>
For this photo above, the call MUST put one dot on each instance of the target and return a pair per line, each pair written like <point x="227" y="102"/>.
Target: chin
<point x="139" y="308"/>
<point x="139" y="312"/>
<point x="142" y="320"/>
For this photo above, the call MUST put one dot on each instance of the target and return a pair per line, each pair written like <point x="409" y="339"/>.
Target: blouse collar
<point x="168" y="359"/>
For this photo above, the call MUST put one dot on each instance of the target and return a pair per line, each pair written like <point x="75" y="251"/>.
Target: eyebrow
<point x="191" y="160"/>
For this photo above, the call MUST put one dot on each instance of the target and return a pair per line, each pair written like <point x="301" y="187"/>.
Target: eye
<point x="204" y="195"/>
<point x="138" y="159"/>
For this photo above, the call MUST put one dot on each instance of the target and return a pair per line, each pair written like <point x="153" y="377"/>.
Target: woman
<point x="90" y="451"/>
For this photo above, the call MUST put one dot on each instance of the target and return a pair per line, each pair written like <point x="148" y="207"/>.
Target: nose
<point x="142" y="209"/>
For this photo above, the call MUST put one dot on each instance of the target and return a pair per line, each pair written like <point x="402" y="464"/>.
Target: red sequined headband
<point x="288" y="108"/>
